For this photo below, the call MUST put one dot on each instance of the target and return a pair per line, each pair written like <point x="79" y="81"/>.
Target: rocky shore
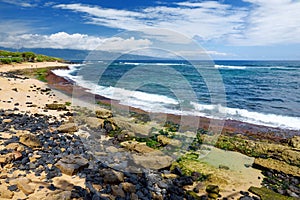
<point x="50" y="149"/>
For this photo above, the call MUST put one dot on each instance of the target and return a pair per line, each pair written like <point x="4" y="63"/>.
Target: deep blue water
<point x="261" y="92"/>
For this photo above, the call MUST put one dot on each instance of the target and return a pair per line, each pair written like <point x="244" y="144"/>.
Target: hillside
<point x="8" y="57"/>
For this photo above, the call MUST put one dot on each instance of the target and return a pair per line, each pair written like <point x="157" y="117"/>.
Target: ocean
<point x="258" y="92"/>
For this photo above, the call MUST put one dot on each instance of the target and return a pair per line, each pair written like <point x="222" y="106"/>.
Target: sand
<point x="26" y="94"/>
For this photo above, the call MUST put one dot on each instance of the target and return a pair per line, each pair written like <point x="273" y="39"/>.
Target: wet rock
<point x="266" y="194"/>
<point x="67" y="128"/>
<point x="213" y="191"/>
<point x="103" y="113"/>
<point x="183" y="181"/>
<point x="112" y="176"/>
<point x="71" y="164"/>
<point x="223" y="167"/>
<point x="277" y="165"/>
<point x="30" y="140"/>
<point x="56" y="106"/>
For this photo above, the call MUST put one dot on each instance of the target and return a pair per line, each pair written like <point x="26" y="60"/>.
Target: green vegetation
<point x="68" y="103"/>
<point x="7" y="57"/>
<point x="41" y="74"/>
<point x="266" y="194"/>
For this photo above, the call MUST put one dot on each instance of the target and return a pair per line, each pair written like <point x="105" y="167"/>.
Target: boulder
<point x="117" y="191"/>
<point x="23" y="185"/>
<point x="112" y="176"/>
<point x="128" y="187"/>
<point x="295" y="142"/>
<point x="30" y="140"/>
<point x="277" y="165"/>
<point x="152" y="161"/>
<point x="168" y="141"/>
<point x="56" y="106"/>
<point x="71" y="164"/>
<point x="67" y="128"/>
<point x="5" y="193"/>
<point x="136" y="146"/>
<point x="103" y="113"/>
<point x="94" y="122"/>
<point x="266" y="194"/>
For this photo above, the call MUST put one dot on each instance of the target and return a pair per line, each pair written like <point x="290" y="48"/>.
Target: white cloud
<point x="270" y="22"/>
<point x="21" y="3"/>
<point x="64" y="40"/>
<point x="261" y="23"/>
<point x="208" y="19"/>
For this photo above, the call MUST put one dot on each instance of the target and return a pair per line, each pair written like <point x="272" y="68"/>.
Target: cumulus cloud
<point x="261" y="23"/>
<point x="208" y="19"/>
<point x="64" y="40"/>
<point x="270" y="22"/>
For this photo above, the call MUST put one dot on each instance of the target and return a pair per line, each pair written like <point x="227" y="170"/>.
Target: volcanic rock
<point x="68" y="128"/>
<point x="71" y="164"/>
<point x="30" y="140"/>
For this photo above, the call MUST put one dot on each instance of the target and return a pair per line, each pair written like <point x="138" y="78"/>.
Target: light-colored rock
<point x="94" y="122"/>
<point x="7" y="120"/>
<point x="7" y="158"/>
<point x="30" y="140"/>
<point x="5" y="193"/>
<point x="15" y="146"/>
<point x="295" y="142"/>
<point x="56" y="106"/>
<point x="67" y="128"/>
<point x="23" y="185"/>
<point x="103" y="113"/>
<point x="128" y="187"/>
<point x="153" y="161"/>
<point x="276" y="165"/>
<point x="168" y="141"/>
<point x="136" y="146"/>
<point x="71" y="164"/>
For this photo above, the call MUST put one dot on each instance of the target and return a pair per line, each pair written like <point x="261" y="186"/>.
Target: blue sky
<point x="237" y="29"/>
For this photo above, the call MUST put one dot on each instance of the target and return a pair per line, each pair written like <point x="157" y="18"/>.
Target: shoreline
<point x="60" y="138"/>
<point x="230" y="126"/>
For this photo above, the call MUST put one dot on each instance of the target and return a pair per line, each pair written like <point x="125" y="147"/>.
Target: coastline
<point x="230" y="126"/>
<point x="234" y="178"/>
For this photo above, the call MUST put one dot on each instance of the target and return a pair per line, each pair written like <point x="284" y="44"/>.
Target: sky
<point x="224" y="29"/>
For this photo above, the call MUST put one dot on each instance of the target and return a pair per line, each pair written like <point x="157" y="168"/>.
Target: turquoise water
<point x="259" y="92"/>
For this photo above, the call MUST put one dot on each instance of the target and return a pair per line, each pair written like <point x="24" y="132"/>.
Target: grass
<point x="41" y="74"/>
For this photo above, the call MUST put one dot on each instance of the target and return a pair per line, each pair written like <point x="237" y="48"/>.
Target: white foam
<point x="159" y="64"/>
<point x="160" y="103"/>
<point x="229" y="67"/>
<point x="271" y="120"/>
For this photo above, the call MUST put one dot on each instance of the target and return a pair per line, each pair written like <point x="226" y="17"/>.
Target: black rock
<point x="182" y="181"/>
<point x="12" y="187"/>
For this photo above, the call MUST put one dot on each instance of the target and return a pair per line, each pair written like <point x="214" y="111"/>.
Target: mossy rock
<point x="56" y="106"/>
<point x="266" y="194"/>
